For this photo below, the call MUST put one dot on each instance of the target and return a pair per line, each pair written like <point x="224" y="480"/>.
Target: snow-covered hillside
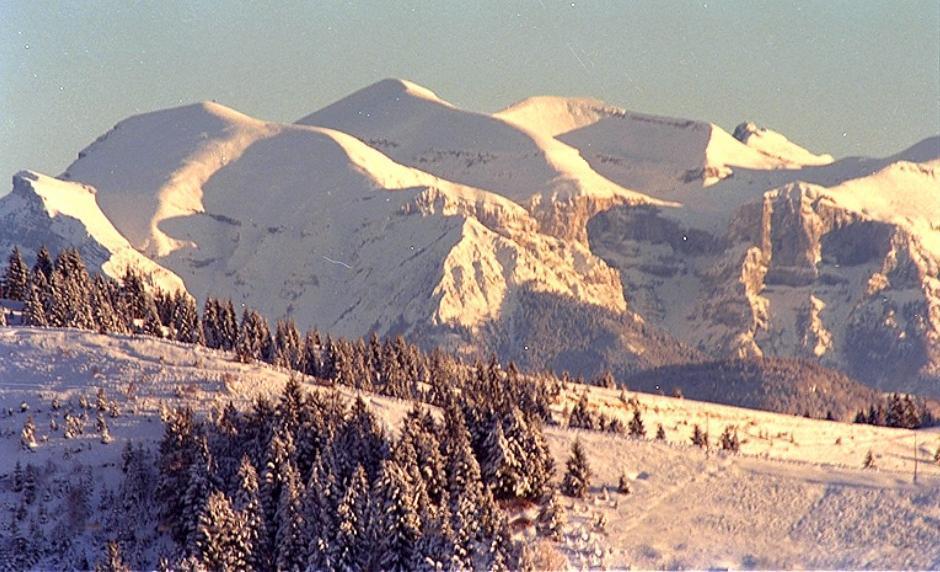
<point x="796" y="496"/>
<point x="44" y="211"/>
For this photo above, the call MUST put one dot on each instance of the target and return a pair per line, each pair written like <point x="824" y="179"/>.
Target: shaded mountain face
<point x="562" y="233"/>
<point x="43" y="211"/>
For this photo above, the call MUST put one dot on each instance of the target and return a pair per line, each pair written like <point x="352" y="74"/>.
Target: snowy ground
<point x="796" y="497"/>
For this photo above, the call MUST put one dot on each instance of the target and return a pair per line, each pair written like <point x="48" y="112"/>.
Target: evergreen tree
<point x="311" y="357"/>
<point x="113" y="561"/>
<point x="185" y="320"/>
<point x="729" y="439"/>
<point x="247" y="502"/>
<point x="288" y="349"/>
<point x="211" y="327"/>
<point x="102" y="311"/>
<point x="578" y="474"/>
<point x="16" y="278"/>
<point x="637" y="429"/>
<point x="660" y="432"/>
<point x="699" y="438"/>
<point x="28" y="435"/>
<point x="552" y="519"/>
<point x="222" y="536"/>
<point x="623" y="484"/>
<point x="350" y="549"/>
<point x="396" y="527"/>
<point x="290" y="548"/>
<point x="34" y="314"/>
<point x="43" y="263"/>
<point x="869" y="462"/>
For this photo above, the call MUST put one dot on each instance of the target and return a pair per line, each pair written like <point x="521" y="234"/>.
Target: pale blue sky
<point x="849" y="78"/>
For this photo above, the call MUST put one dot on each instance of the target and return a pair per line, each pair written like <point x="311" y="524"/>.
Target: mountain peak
<point x="776" y="145"/>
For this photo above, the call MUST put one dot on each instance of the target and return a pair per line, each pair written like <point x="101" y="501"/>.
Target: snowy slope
<point x="795" y="498"/>
<point x="43" y="211"/>
<point x="343" y="236"/>
<point x="414" y="127"/>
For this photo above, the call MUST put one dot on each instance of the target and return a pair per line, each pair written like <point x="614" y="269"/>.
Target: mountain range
<point x="561" y="233"/>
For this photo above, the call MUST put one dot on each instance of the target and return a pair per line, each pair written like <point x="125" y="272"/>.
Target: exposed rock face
<point x="804" y="271"/>
<point x="43" y="211"/>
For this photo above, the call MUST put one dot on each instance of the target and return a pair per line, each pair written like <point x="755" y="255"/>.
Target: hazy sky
<point x="849" y="78"/>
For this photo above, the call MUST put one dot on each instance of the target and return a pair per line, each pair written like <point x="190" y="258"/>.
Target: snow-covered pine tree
<point x="311" y="353"/>
<point x="290" y="548"/>
<point x="729" y="439"/>
<point x="112" y="560"/>
<point x="211" y="328"/>
<point x="349" y="550"/>
<point x="102" y="311"/>
<point x="464" y="484"/>
<point x="247" y="501"/>
<point x="222" y="536"/>
<point x="34" y="314"/>
<point x="198" y="488"/>
<point x="578" y="474"/>
<point x="581" y="416"/>
<point x="16" y="277"/>
<point x="552" y="520"/>
<point x="637" y="429"/>
<point x="28" y="435"/>
<point x="499" y="465"/>
<point x="43" y="262"/>
<point x="623" y="484"/>
<point x="288" y="349"/>
<point x="185" y="320"/>
<point x="699" y="438"/>
<point x="396" y="527"/>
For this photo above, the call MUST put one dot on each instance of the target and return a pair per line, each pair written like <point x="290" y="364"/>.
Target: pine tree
<point x="396" y="527"/>
<point x="699" y="438"/>
<point x="185" y="320"/>
<point x="869" y="462"/>
<point x="464" y="485"/>
<point x="16" y="277"/>
<point x="113" y="561"/>
<point x="28" y="435"/>
<point x="729" y="439"/>
<point x="637" y="428"/>
<point x="350" y="549"/>
<point x="211" y="328"/>
<point x="34" y="314"/>
<point x="43" y="263"/>
<point x="222" y="536"/>
<point x="194" y="499"/>
<point x="247" y="502"/>
<point x="623" y="484"/>
<point x="499" y="465"/>
<point x="102" y="310"/>
<point x="552" y="519"/>
<point x="311" y="358"/>
<point x="660" y="432"/>
<point x="578" y="475"/>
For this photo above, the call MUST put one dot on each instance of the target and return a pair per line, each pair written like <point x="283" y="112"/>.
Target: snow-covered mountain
<point x="44" y="211"/>
<point x="560" y="232"/>
<point x="314" y="223"/>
